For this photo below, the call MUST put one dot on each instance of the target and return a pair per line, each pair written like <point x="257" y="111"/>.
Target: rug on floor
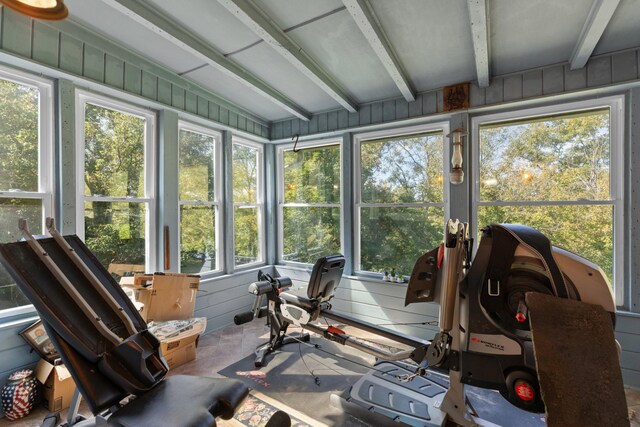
<point x="258" y="409"/>
<point x="304" y="377"/>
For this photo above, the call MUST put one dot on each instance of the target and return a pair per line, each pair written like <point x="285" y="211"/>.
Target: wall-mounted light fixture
<point x="456" y="176"/>
<point x="51" y="10"/>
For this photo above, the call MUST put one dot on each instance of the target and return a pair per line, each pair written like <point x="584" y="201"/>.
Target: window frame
<point x="361" y="138"/>
<point x="46" y="181"/>
<point x="616" y="170"/>
<point x="280" y="193"/>
<point x="150" y="164"/>
<point x="218" y="188"/>
<point x="259" y="204"/>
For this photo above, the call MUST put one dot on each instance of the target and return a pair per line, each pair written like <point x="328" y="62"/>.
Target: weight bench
<point x="104" y="342"/>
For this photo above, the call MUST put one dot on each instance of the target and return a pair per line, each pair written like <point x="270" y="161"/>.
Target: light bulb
<point x="53" y="10"/>
<point x="44" y="4"/>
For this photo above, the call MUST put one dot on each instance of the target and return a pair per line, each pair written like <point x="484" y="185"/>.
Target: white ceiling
<point x="430" y="39"/>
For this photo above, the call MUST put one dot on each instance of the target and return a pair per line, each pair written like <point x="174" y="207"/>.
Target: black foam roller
<point x="241" y="318"/>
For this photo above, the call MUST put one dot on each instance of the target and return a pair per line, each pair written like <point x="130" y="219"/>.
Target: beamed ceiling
<point x="281" y="59"/>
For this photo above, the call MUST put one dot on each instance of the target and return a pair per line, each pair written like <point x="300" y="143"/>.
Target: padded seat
<point x="325" y="277"/>
<point x="184" y="401"/>
<point x="299" y="301"/>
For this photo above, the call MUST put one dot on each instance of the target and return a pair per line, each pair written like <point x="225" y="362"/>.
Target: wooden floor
<point x="221" y="348"/>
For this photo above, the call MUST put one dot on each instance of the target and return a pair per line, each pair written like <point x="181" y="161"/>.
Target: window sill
<point x="17" y="316"/>
<point x="210" y="278"/>
<point x="622" y="311"/>
<point x="14" y="313"/>
<point x="375" y="280"/>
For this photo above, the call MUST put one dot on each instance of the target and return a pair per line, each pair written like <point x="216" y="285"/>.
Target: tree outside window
<point x="310" y="203"/>
<point x="199" y="205"/>
<point x="552" y="173"/>
<point x="25" y="164"/>
<point x="116" y="183"/>
<point x="401" y="200"/>
<point x="247" y="203"/>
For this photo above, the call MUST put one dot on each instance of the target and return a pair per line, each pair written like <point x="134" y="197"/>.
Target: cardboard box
<point x="58" y="386"/>
<point x="165" y="296"/>
<point x="184" y="354"/>
<point x="179" y="339"/>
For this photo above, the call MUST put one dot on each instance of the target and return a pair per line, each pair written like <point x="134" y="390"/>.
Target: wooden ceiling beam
<point x="166" y="28"/>
<point x="366" y="19"/>
<point x="261" y="24"/>
<point x="597" y="21"/>
<point x="479" y="19"/>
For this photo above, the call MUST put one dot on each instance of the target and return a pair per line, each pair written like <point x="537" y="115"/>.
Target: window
<point x="116" y="208"/>
<point x="247" y="203"/>
<point x="400" y="197"/>
<point x="26" y="181"/>
<point x="558" y="170"/>
<point x="310" y="202"/>
<point x="200" y="193"/>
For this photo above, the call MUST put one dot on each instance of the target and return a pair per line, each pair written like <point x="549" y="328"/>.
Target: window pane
<point x="18" y="137"/>
<point x="395" y="237"/>
<point x="312" y="175"/>
<point x="245" y="227"/>
<point x="115" y="231"/>
<point x="584" y="230"/>
<point x="196" y="166"/>
<point x="558" y="158"/>
<point x="403" y="169"/>
<point x="197" y="239"/>
<point x="114" y="153"/>
<point x="310" y="233"/>
<point x="10" y="211"/>
<point x="245" y="174"/>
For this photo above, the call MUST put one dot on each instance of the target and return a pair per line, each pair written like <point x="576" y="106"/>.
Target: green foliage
<point x="19" y="106"/>
<point x="10" y="211"/>
<point x="549" y="160"/>
<point x="114" y="153"/>
<point x="114" y="166"/>
<point x="311" y="176"/>
<point x="310" y="233"/>
<point x="396" y="236"/>
<point x="197" y="183"/>
<point x="403" y="170"/>
<point x="197" y="238"/>
<point x="400" y="170"/>
<point x="245" y="174"/>
<point x="196" y="166"/>
<point x="245" y="228"/>
<point x="245" y="216"/>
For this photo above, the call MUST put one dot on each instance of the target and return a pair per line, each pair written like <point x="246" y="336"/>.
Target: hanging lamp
<point x="52" y="10"/>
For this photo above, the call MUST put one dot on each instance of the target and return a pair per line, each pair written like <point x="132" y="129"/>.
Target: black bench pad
<point x="183" y="400"/>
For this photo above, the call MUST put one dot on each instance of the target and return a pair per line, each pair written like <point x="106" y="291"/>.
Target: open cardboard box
<point x="58" y="386"/>
<point x="164" y="296"/>
<point x="178" y="339"/>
